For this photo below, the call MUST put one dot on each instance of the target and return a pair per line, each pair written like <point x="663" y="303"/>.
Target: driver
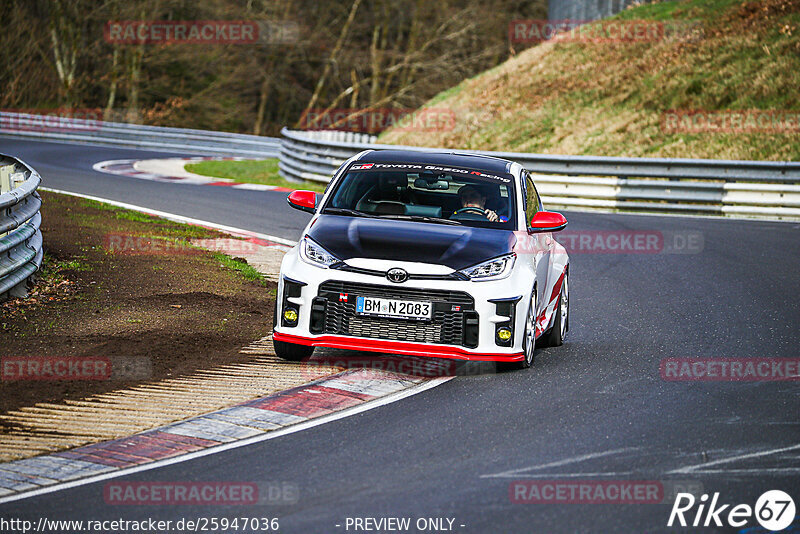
<point x="473" y="201"/>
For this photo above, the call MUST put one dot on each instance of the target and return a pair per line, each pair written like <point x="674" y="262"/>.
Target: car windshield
<point x="427" y="193"/>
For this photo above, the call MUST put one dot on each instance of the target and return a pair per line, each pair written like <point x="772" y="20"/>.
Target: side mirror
<point x="547" y="221"/>
<point x="303" y="200"/>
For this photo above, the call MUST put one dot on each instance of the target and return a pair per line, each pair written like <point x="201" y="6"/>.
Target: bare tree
<point x="65" y="39"/>
<point x="359" y="54"/>
<point x="332" y="59"/>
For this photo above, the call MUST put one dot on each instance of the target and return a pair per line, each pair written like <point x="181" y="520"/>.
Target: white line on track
<point x="368" y="405"/>
<point x="563" y="475"/>
<point x="752" y="471"/>
<point x="558" y="463"/>
<point x="703" y="466"/>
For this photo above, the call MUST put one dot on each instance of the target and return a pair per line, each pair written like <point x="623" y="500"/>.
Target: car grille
<point x="446" y="327"/>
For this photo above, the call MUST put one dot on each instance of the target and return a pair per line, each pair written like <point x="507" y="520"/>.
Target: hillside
<point x="610" y="98"/>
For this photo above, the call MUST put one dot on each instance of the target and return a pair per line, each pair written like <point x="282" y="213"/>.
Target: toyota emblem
<point x="397" y="275"/>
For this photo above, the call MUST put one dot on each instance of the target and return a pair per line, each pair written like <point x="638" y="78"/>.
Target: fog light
<point x="504" y="334"/>
<point x="290" y="315"/>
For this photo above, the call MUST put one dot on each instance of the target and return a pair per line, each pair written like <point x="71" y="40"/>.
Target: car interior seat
<point x="387" y="197"/>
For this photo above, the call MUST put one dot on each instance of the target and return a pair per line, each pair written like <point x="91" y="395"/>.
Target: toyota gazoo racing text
<point x="426" y="254"/>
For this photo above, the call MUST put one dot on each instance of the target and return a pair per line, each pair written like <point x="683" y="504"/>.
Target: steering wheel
<point x="471" y="209"/>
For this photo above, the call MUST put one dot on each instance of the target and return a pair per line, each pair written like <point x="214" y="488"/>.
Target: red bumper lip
<point x="396" y="347"/>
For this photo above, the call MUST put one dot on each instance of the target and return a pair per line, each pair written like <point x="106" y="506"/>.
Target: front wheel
<point x="291" y="351"/>
<point x="528" y="339"/>
<point x="288" y="351"/>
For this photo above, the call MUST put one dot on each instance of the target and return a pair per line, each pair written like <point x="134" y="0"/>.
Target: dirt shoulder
<point x="164" y="308"/>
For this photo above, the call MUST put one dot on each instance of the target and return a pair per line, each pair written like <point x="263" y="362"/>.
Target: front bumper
<point x="396" y="347"/>
<point x="465" y="313"/>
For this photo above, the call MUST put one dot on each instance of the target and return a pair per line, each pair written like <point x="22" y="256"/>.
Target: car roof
<point x="469" y="161"/>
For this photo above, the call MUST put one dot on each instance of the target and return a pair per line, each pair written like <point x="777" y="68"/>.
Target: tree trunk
<point x="64" y="37"/>
<point x="112" y="89"/>
<point x="331" y="61"/>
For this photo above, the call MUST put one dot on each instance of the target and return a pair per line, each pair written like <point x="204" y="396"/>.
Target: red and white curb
<point x="296" y="409"/>
<point x="317" y="402"/>
<point x="128" y="167"/>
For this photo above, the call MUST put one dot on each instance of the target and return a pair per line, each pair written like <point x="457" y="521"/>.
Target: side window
<point x="531" y="199"/>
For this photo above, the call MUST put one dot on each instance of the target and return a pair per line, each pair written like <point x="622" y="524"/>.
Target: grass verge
<point x="254" y="171"/>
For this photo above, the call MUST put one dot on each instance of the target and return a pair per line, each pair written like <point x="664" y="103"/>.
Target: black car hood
<point x="456" y="247"/>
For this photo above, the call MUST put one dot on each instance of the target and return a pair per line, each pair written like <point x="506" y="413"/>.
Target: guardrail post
<point x="16" y="179"/>
<point x="5" y="183"/>
<point x="5" y="178"/>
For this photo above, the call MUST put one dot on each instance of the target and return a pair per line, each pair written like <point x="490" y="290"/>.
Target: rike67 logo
<point x="774" y="511"/>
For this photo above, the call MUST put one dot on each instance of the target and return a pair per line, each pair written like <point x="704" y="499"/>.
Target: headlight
<point x="491" y="270"/>
<point x="314" y="254"/>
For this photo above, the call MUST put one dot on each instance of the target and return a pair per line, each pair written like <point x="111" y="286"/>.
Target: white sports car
<point x="426" y="254"/>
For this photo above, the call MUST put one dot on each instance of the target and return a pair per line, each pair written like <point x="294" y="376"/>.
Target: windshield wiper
<point x="422" y="218"/>
<point x="347" y="211"/>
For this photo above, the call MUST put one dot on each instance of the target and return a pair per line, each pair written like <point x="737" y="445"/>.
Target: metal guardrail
<point x="582" y="10"/>
<point x="20" y="220"/>
<point x="686" y="186"/>
<point x="124" y="135"/>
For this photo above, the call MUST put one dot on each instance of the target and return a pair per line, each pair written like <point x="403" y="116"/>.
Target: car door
<point x="541" y="245"/>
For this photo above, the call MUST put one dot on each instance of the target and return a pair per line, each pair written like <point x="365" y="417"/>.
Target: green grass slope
<point x="610" y="98"/>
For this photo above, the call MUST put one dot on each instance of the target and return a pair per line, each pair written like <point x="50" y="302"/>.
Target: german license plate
<point x="400" y="309"/>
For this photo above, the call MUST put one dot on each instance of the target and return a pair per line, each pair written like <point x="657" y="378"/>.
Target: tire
<point x="288" y="351"/>
<point x="555" y="336"/>
<point x="292" y="352"/>
<point x="528" y="340"/>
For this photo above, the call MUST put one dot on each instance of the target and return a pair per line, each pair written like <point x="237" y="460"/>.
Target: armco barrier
<point x="20" y="237"/>
<point x="123" y="135"/>
<point x="769" y="189"/>
<point x="586" y="9"/>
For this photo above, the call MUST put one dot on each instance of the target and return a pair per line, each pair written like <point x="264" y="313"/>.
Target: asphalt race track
<point x="596" y="408"/>
<point x="69" y="168"/>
